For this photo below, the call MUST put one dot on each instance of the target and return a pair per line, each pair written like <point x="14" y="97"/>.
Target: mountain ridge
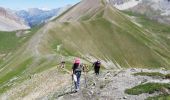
<point x="11" y="22"/>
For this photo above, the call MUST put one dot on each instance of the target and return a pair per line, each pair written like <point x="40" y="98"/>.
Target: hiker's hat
<point x="77" y="60"/>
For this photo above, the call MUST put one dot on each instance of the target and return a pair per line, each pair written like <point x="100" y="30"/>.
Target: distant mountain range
<point x="9" y="21"/>
<point x="24" y="19"/>
<point x="36" y="16"/>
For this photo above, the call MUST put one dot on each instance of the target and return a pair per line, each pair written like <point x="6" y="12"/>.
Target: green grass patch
<point x="130" y="13"/>
<point x="8" y="41"/>
<point x="59" y="48"/>
<point x="146" y="88"/>
<point x="152" y="74"/>
<point x="85" y="17"/>
<point x="1" y="61"/>
<point x="159" y="97"/>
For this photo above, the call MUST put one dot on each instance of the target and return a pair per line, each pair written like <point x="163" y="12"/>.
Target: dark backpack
<point x="98" y="63"/>
<point x="79" y="68"/>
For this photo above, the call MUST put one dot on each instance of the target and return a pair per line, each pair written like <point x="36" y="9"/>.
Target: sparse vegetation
<point x="152" y="74"/>
<point x="159" y="97"/>
<point x="147" y="88"/>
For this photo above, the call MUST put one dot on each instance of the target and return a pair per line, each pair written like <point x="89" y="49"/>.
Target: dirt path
<point x="35" y="44"/>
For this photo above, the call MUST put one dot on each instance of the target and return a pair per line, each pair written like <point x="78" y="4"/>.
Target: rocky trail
<point x="109" y="85"/>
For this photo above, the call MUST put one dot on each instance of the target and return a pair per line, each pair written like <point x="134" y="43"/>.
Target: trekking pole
<point x="85" y="79"/>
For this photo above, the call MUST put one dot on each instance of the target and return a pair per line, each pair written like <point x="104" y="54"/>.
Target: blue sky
<point x="25" y="4"/>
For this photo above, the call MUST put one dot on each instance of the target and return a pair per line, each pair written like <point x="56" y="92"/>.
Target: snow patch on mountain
<point x="126" y="5"/>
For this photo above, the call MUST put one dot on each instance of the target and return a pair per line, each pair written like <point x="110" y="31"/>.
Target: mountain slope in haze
<point x="91" y="30"/>
<point x="35" y="16"/>
<point x="154" y="9"/>
<point x="158" y="10"/>
<point x="11" y="22"/>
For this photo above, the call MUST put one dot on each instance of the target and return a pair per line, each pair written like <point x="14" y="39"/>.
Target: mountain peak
<point x="85" y="10"/>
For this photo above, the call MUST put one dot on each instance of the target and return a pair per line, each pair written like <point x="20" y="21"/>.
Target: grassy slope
<point x="159" y="33"/>
<point x="124" y="43"/>
<point x="162" y="31"/>
<point x="9" y="42"/>
<point x="13" y="66"/>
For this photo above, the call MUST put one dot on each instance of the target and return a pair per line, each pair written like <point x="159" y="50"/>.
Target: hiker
<point x="76" y="73"/>
<point x="62" y="64"/>
<point x="85" y="70"/>
<point x="96" y="66"/>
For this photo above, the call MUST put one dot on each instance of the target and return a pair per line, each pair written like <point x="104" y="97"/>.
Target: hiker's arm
<point x="72" y="72"/>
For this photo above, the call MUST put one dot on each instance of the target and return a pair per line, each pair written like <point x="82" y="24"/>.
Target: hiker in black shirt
<point x="96" y="66"/>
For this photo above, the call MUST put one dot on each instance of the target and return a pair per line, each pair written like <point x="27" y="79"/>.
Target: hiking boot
<point x="77" y="90"/>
